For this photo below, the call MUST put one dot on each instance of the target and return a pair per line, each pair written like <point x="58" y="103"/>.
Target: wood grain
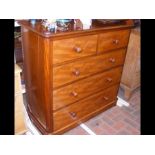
<point x="113" y="40"/>
<point x="73" y="48"/>
<point x="66" y="73"/>
<point x="36" y="69"/>
<point x="65" y="116"/>
<point x="83" y="88"/>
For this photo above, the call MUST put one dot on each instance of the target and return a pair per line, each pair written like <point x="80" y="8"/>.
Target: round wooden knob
<point x="106" y="98"/>
<point x="77" y="49"/>
<point x="73" y="93"/>
<point x="73" y="114"/>
<point x="112" y="60"/>
<point x="116" y="41"/>
<point x="76" y="72"/>
<point x="109" y="79"/>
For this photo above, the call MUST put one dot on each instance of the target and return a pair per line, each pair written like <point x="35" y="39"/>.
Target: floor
<point x="115" y="121"/>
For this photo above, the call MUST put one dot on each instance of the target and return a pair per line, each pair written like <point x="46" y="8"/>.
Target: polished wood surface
<point x="72" y="93"/>
<point x="78" y="110"/>
<point x="72" y="75"/>
<point x="73" y="31"/>
<point x="85" y="67"/>
<point x="113" y="40"/>
<point x="131" y="72"/>
<point x="37" y="68"/>
<point x="73" y="48"/>
<point x="85" y="118"/>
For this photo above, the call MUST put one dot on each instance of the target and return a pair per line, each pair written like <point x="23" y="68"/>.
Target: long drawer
<point x="80" y="109"/>
<point x="112" y="40"/>
<point x="73" y="48"/>
<point x="83" y="88"/>
<point x="85" y="67"/>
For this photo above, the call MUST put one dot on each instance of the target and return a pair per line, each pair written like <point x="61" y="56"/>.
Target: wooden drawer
<point x="83" y="88"/>
<point x="85" y="67"/>
<point x="70" y="49"/>
<point x="113" y="40"/>
<point x="80" y="109"/>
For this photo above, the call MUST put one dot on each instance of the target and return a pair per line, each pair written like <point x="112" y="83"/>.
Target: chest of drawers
<point x="74" y="75"/>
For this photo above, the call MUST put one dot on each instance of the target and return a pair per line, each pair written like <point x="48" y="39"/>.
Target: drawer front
<point x="70" y="49"/>
<point x="83" y="88"/>
<point x="78" y="110"/>
<point x="113" y="40"/>
<point x="85" y="67"/>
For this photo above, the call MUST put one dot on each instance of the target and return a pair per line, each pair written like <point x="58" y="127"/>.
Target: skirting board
<point x="88" y="130"/>
<point x="121" y="102"/>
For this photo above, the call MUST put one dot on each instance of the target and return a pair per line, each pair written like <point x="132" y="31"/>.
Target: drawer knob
<point x="116" y="41"/>
<point x="106" y="98"/>
<point x="112" y="60"/>
<point x="78" y="49"/>
<point x="109" y="79"/>
<point x="76" y="72"/>
<point x="73" y="114"/>
<point x="73" y="93"/>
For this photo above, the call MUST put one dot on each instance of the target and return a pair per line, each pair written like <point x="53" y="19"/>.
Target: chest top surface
<point x="97" y="26"/>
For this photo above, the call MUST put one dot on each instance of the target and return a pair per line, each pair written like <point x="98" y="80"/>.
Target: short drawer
<point x="112" y="40"/>
<point x="78" y="110"/>
<point x="83" y="88"/>
<point x="70" y="49"/>
<point x="85" y="67"/>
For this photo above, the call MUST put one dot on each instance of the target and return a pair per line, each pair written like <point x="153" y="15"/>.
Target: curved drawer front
<point x="78" y="110"/>
<point x="85" y="67"/>
<point x="113" y="40"/>
<point x="83" y="88"/>
<point x="70" y="49"/>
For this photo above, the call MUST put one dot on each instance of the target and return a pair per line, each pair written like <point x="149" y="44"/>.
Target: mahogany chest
<point x="74" y="75"/>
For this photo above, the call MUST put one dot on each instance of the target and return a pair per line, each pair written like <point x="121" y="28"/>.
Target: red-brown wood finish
<point x="72" y="76"/>
<point x="37" y="69"/>
<point x="73" y="48"/>
<point x="85" y="67"/>
<point x="113" y="40"/>
<point x="88" y="86"/>
<point x="75" y="112"/>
